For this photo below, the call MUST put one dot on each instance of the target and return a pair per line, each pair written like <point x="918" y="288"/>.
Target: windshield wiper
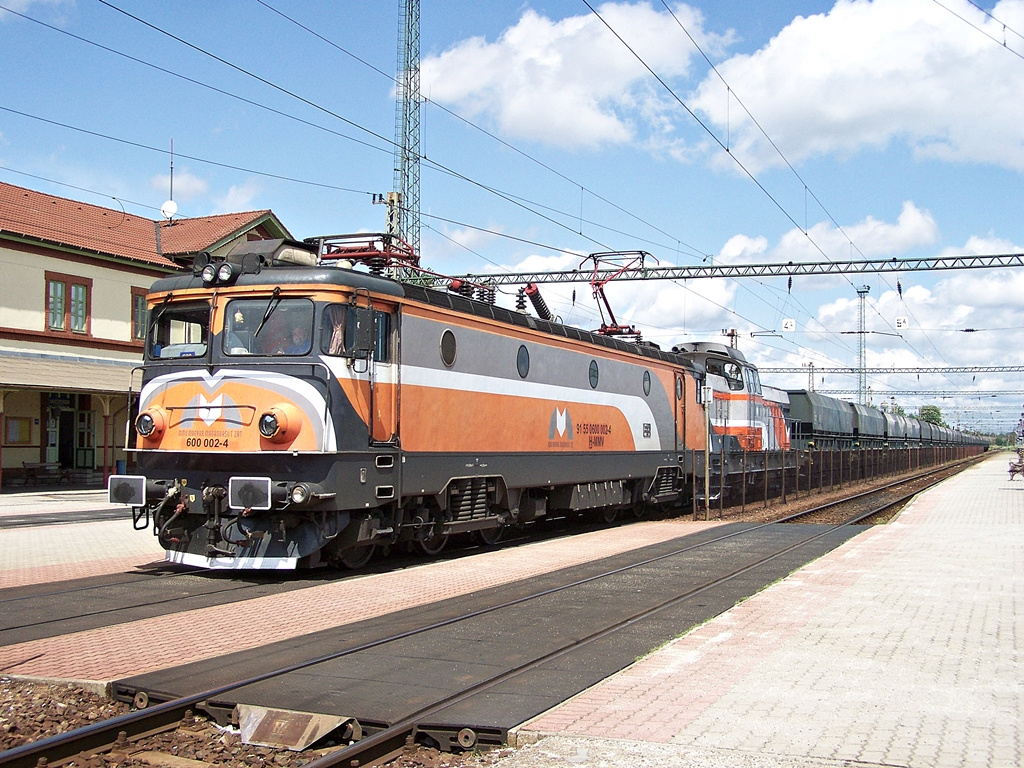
<point x="158" y="313"/>
<point x="275" y="300"/>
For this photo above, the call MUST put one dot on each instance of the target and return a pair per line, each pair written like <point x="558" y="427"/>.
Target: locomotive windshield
<point x="179" y="331"/>
<point x="249" y="329"/>
<point x="730" y="371"/>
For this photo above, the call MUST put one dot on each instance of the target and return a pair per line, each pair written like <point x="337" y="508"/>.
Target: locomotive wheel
<point x="433" y="545"/>
<point x="490" y="536"/>
<point x="609" y="514"/>
<point x="356" y="557"/>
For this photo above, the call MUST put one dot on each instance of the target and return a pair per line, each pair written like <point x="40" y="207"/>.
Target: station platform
<point x="73" y="550"/>
<point x="902" y="647"/>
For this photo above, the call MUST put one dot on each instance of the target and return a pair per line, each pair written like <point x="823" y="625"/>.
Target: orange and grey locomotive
<point x="294" y="411"/>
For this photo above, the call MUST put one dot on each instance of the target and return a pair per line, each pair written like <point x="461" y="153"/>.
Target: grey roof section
<point x="66" y="372"/>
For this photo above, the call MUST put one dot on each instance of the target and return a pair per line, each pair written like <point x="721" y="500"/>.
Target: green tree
<point x="894" y="409"/>
<point x="932" y="414"/>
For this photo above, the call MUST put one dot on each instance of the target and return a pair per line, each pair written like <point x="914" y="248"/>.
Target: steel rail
<point x="389" y="742"/>
<point x="102" y="736"/>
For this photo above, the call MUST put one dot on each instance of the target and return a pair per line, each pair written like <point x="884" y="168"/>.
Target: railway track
<point x="124" y="734"/>
<point x="38" y="611"/>
<point x="881" y="501"/>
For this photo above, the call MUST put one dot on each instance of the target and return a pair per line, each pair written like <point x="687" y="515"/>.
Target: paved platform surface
<point x="59" y="552"/>
<point x="104" y="654"/>
<point x="900" y="648"/>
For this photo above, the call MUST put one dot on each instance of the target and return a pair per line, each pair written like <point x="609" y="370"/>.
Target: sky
<point x="725" y="131"/>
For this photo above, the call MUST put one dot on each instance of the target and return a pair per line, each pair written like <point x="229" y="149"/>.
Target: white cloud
<point x="870" y="73"/>
<point x="187" y="186"/>
<point x="741" y="249"/>
<point x="984" y="246"/>
<point x="871" y="237"/>
<point x="25" y="6"/>
<point x="239" y="197"/>
<point x="570" y="83"/>
<point x="553" y="263"/>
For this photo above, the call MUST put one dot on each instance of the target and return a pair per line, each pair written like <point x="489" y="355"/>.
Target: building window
<point x="68" y="303"/>
<point x="138" y="314"/>
<point x="56" y="300"/>
<point x="18" y="431"/>
<point x="79" y="307"/>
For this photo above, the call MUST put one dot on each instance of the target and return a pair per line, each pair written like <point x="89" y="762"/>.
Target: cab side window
<point x="753" y="381"/>
<point x="734" y="375"/>
<point x="338" y="333"/>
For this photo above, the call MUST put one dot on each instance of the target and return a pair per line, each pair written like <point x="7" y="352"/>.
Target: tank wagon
<point x="294" y="411"/>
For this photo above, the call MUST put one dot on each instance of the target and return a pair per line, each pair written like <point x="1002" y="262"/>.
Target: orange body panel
<point x="224" y="421"/>
<point x="438" y="420"/>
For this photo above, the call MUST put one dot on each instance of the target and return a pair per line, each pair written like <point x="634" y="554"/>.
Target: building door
<point x="52" y="436"/>
<point x="85" y="440"/>
<point x="66" y="439"/>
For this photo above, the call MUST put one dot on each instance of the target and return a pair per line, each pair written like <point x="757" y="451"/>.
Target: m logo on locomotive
<point x="561" y="425"/>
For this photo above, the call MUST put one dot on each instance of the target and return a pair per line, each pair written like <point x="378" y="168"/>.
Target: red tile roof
<point x="110" y="231"/>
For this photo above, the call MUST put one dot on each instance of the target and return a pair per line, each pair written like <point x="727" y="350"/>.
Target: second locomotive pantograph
<point x="299" y="409"/>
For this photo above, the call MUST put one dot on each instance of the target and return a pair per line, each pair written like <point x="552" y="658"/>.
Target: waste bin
<point x="120" y="467"/>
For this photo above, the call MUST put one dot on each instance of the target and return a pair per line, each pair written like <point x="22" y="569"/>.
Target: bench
<point x="37" y="471"/>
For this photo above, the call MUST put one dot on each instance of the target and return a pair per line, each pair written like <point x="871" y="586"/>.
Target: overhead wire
<point x="377" y="136"/>
<point x="494" y="137"/>
<point x="429" y="161"/>
<point x="737" y="161"/>
<point x="194" y="158"/>
<point x="806" y="187"/>
<point x="193" y="81"/>
<point x="512" y="199"/>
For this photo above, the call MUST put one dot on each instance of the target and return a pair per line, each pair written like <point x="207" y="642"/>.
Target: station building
<point x="73" y="280"/>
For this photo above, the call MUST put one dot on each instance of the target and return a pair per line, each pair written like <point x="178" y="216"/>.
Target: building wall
<point x="23" y="296"/>
<point x="25" y="337"/>
<point x="56" y="381"/>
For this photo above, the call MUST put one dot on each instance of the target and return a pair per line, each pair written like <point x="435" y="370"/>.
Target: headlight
<point x="269" y="425"/>
<point x="280" y="423"/>
<point x="209" y="273"/>
<point x="150" y="423"/>
<point x="300" y="494"/>
<point x="225" y="272"/>
<point x="145" y="425"/>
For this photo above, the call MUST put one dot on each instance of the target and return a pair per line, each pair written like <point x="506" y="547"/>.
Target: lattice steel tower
<point x="862" y="374"/>
<point x="407" y="126"/>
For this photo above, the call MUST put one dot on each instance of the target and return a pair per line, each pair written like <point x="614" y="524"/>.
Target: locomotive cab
<point x="742" y="417"/>
<point x="267" y="417"/>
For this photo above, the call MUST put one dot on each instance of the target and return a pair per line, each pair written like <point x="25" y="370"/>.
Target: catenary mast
<point x="406" y="219"/>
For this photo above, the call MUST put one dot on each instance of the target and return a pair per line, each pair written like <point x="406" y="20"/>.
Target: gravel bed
<point x="32" y="711"/>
